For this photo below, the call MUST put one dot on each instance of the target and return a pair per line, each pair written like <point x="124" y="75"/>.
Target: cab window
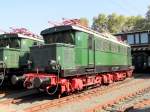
<point x="67" y="37"/>
<point x="10" y="42"/>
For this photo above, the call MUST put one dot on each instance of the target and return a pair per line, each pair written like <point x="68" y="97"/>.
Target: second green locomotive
<point x="14" y="54"/>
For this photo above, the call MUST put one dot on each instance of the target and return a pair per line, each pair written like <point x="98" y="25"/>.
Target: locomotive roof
<point x="21" y="36"/>
<point x="106" y="36"/>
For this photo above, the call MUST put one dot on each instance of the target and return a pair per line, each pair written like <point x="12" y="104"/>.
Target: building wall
<point x="140" y="49"/>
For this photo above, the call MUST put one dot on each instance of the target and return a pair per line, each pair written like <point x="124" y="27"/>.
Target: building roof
<point x="132" y="32"/>
<point x="140" y="49"/>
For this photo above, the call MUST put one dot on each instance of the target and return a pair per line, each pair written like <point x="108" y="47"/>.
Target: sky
<point x="35" y="14"/>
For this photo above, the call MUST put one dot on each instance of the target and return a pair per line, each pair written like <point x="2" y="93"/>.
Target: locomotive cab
<point x="59" y="49"/>
<point x="14" y="53"/>
<point x="9" y="47"/>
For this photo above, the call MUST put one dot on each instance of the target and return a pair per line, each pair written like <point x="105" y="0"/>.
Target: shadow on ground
<point x="138" y="110"/>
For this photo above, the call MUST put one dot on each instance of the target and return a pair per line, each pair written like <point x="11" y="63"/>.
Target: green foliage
<point x="115" y="23"/>
<point x="148" y="13"/>
<point x="100" y="23"/>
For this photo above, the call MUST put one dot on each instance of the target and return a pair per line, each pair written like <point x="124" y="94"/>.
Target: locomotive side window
<point x="90" y="42"/>
<point x="129" y="51"/>
<point x="67" y="37"/>
<point x="35" y="43"/>
<point x="106" y="46"/>
<point x="122" y="49"/>
<point x="125" y="51"/>
<point x="113" y="47"/>
<point x="119" y="49"/>
<point x="101" y="45"/>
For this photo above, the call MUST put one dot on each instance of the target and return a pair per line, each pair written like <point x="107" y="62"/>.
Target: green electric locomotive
<point x="75" y="57"/>
<point x="14" y="54"/>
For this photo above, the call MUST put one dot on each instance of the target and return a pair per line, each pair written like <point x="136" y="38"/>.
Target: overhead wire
<point x="123" y="7"/>
<point x="134" y="7"/>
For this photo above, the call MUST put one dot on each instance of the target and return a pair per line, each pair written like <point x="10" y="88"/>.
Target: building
<point x="140" y="49"/>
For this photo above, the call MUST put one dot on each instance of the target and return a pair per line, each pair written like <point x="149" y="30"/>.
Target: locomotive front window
<point x="10" y="42"/>
<point x="60" y="37"/>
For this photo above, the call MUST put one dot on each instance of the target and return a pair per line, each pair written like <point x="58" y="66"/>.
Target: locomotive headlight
<point x="29" y="63"/>
<point x="53" y="64"/>
<point x="5" y="58"/>
<point x="58" y="58"/>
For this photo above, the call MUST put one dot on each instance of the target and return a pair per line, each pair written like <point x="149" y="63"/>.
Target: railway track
<point x="136" y="102"/>
<point x="131" y="103"/>
<point x="18" y="102"/>
<point x="16" y="96"/>
<point x="79" y="97"/>
<point x="125" y="103"/>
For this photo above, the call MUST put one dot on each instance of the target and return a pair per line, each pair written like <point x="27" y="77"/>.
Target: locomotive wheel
<point x="2" y="72"/>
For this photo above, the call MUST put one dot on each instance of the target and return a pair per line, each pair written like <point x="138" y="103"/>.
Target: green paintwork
<point x="65" y="55"/>
<point x="81" y="50"/>
<point x="16" y="57"/>
<point x="101" y="51"/>
<point x="102" y="57"/>
<point x="62" y="53"/>
<point x="10" y="56"/>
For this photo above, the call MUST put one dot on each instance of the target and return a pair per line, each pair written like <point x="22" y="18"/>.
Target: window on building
<point x="137" y="38"/>
<point x="144" y="38"/>
<point x="130" y="39"/>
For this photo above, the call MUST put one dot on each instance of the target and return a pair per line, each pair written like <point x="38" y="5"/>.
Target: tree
<point x="140" y="23"/>
<point x="147" y="20"/>
<point x="115" y="23"/>
<point x="112" y="23"/>
<point x="148" y="13"/>
<point x="84" y="21"/>
<point x="100" y="23"/>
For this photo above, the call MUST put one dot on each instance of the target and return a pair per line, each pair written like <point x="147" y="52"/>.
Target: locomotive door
<point x="91" y="51"/>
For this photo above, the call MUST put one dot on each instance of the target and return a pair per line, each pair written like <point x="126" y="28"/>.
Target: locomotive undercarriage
<point x="52" y="84"/>
<point x="8" y="77"/>
<point x="2" y="72"/>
